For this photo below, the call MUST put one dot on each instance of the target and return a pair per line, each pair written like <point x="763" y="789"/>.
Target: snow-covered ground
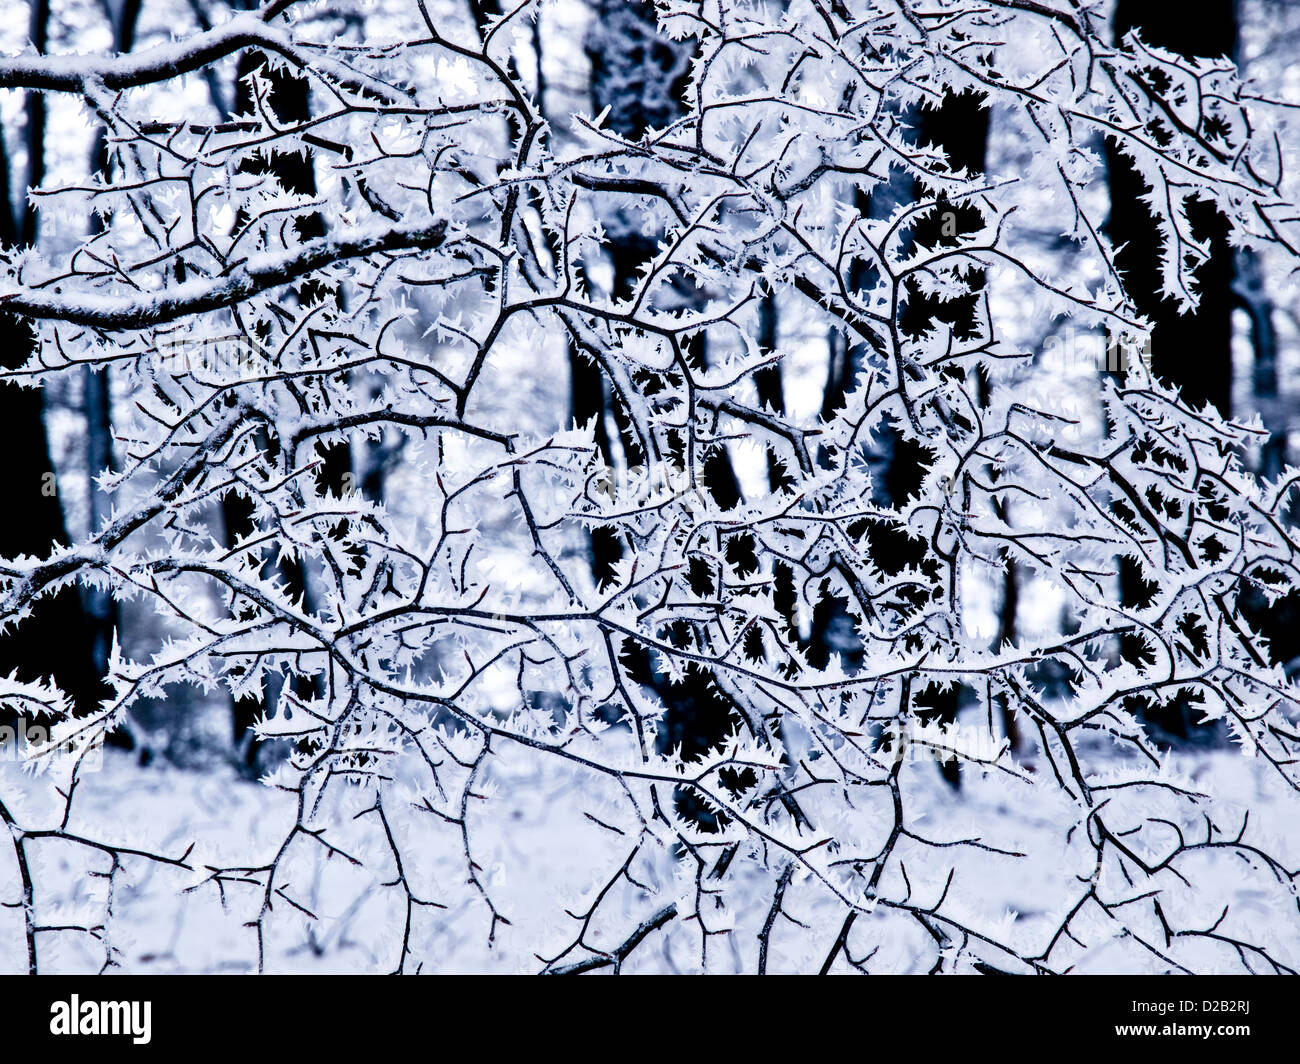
<point x="540" y="854"/>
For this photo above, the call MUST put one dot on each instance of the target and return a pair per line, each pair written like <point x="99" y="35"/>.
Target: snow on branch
<point x="448" y="647"/>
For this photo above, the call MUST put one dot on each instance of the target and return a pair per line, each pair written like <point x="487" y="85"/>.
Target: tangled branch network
<point x="448" y="646"/>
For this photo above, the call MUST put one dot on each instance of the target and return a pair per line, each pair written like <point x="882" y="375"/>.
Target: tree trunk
<point x="101" y="609"/>
<point x="1190" y="351"/>
<point x="56" y="641"/>
<point x="1193" y="351"/>
<point x="639" y="75"/>
<point x="960" y="127"/>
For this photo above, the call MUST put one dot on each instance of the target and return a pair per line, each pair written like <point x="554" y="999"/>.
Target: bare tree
<point x="454" y="634"/>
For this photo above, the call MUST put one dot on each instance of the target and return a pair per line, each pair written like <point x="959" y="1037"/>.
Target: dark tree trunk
<point x="960" y="127"/>
<point x="1193" y="351"/>
<point x="1250" y="296"/>
<point x="101" y="608"/>
<point x="769" y="385"/>
<point x="640" y="75"/>
<point x="57" y="640"/>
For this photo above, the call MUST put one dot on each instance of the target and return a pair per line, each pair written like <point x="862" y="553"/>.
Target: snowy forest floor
<point x="538" y="856"/>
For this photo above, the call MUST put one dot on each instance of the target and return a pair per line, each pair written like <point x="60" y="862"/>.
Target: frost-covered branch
<point x="453" y="632"/>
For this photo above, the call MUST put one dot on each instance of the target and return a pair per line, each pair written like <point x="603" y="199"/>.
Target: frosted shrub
<point x="433" y="694"/>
